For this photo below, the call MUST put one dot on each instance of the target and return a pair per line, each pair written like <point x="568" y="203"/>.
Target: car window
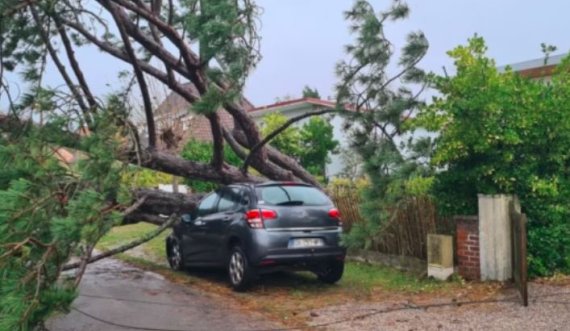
<point x="230" y="200"/>
<point x="207" y="206"/>
<point x="291" y="194"/>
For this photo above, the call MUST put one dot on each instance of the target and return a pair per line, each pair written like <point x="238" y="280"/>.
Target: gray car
<point x="253" y="229"/>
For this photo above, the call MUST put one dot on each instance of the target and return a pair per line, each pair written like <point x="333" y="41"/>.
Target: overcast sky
<point x="303" y="39"/>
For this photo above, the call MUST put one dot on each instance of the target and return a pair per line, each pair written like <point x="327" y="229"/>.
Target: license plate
<point x="306" y="242"/>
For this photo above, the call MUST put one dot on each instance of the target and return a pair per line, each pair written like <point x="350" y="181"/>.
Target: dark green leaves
<point x="502" y="133"/>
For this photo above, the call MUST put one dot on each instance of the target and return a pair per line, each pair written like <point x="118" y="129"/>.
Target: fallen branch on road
<point x="147" y="237"/>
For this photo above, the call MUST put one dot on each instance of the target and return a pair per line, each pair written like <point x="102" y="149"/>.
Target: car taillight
<point x="334" y="213"/>
<point x="255" y="217"/>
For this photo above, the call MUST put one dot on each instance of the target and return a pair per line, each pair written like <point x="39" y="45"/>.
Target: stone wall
<point x="467" y="246"/>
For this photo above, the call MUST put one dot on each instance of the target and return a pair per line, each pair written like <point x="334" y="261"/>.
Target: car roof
<point x="270" y="183"/>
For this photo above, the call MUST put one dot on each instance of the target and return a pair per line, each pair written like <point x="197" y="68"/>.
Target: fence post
<point x="495" y="240"/>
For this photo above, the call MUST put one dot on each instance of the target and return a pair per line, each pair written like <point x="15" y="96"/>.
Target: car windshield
<point x="291" y="195"/>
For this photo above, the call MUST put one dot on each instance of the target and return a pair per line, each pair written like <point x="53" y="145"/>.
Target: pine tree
<point x="381" y="106"/>
<point x="51" y="210"/>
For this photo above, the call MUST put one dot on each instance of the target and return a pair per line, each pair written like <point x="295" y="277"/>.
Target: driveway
<point x="549" y="309"/>
<point x="115" y="296"/>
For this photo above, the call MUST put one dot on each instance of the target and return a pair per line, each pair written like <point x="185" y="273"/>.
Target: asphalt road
<point x="115" y="296"/>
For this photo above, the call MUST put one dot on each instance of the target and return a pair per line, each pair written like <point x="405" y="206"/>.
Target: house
<point x="174" y="115"/>
<point x="541" y="68"/>
<point x="176" y="124"/>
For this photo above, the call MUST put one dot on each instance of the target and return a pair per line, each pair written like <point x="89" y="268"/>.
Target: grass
<point x="153" y="250"/>
<point x="283" y="296"/>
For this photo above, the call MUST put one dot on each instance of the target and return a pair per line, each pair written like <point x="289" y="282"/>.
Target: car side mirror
<point x="186" y="218"/>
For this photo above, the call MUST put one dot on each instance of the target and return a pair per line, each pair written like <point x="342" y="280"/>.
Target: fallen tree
<point x="201" y="50"/>
<point x="210" y="79"/>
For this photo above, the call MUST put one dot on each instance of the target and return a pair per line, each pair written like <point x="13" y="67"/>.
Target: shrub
<point x="503" y="133"/>
<point x="200" y="151"/>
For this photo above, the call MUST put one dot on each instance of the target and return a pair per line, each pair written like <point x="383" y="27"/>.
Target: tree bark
<point x="164" y="203"/>
<point x="147" y="237"/>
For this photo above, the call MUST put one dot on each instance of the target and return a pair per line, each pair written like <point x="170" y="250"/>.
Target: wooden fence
<point x="405" y="233"/>
<point x="347" y="200"/>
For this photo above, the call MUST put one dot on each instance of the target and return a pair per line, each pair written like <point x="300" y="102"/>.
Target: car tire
<point x="175" y="254"/>
<point x="240" y="272"/>
<point x="331" y="272"/>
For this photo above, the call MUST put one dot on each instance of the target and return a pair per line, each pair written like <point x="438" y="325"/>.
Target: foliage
<point x="142" y="177"/>
<point x="317" y="143"/>
<point x="200" y="151"/>
<point x="288" y="140"/>
<point x="382" y="105"/>
<point x="309" y="92"/>
<point x="503" y="133"/>
<point x="311" y="144"/>
<point x="134" y="176"/>
<point x="50" y="211"/>
<point x="347" y="184"/>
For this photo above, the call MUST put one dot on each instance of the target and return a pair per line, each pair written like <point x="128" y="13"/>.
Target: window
<point x="231" y="197"/>
<point x="207" y="205"/>
<point x="291" y="194"/>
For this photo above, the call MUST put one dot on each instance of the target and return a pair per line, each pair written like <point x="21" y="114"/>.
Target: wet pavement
<point x="115" y="296"/>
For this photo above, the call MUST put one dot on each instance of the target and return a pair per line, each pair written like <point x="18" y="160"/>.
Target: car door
<point x="195" y="246"/>
<point x="217" y="228"/>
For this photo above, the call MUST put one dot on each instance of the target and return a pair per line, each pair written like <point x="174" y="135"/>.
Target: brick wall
<point x="467" y="245"/>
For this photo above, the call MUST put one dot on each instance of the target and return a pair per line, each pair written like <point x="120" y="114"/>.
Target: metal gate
<point x="518" y="233"/>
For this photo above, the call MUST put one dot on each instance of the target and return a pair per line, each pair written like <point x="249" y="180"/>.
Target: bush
<point x="311" y="144"/>
<point x="200" y="151"/>
<point x="503" y="133"/>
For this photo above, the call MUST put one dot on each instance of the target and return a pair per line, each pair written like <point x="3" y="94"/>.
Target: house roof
<point x="536" y="68"/>
<point x="312" y="101"/>
<point x="291" y="105"/>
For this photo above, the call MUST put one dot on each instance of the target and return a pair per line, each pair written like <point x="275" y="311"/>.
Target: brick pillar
<point x="467" y="245"/>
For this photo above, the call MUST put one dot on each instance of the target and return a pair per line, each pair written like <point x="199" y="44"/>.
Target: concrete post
<point x="440" y="256"/>
<point x="495" y="248"/>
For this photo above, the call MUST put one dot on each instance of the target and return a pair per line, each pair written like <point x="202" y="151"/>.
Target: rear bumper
<point x="271" y="248"/>
<point x="300" y="259"/>
<point x="285" y="256"/>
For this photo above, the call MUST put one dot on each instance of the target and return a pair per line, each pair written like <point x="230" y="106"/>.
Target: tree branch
<point x="177" y="166"/>
<point x="138" y="73"/>
<point x="182" y="90"/>
<point x="190" y="58"/>
<point x="273" y="134"/>
<point x="234" y="144"/>
<point x="74" y="64"/>
<point x="279" y="159"/>
<point x="218" y="140"/>
<point x="147" y="237"/>
<point x="59" y="65"/>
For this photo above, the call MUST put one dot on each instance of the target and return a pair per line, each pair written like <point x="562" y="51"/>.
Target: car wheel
<point x="331" y="272"/>
<point x="239" y="271"/>
<point x="174" y="254"/>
